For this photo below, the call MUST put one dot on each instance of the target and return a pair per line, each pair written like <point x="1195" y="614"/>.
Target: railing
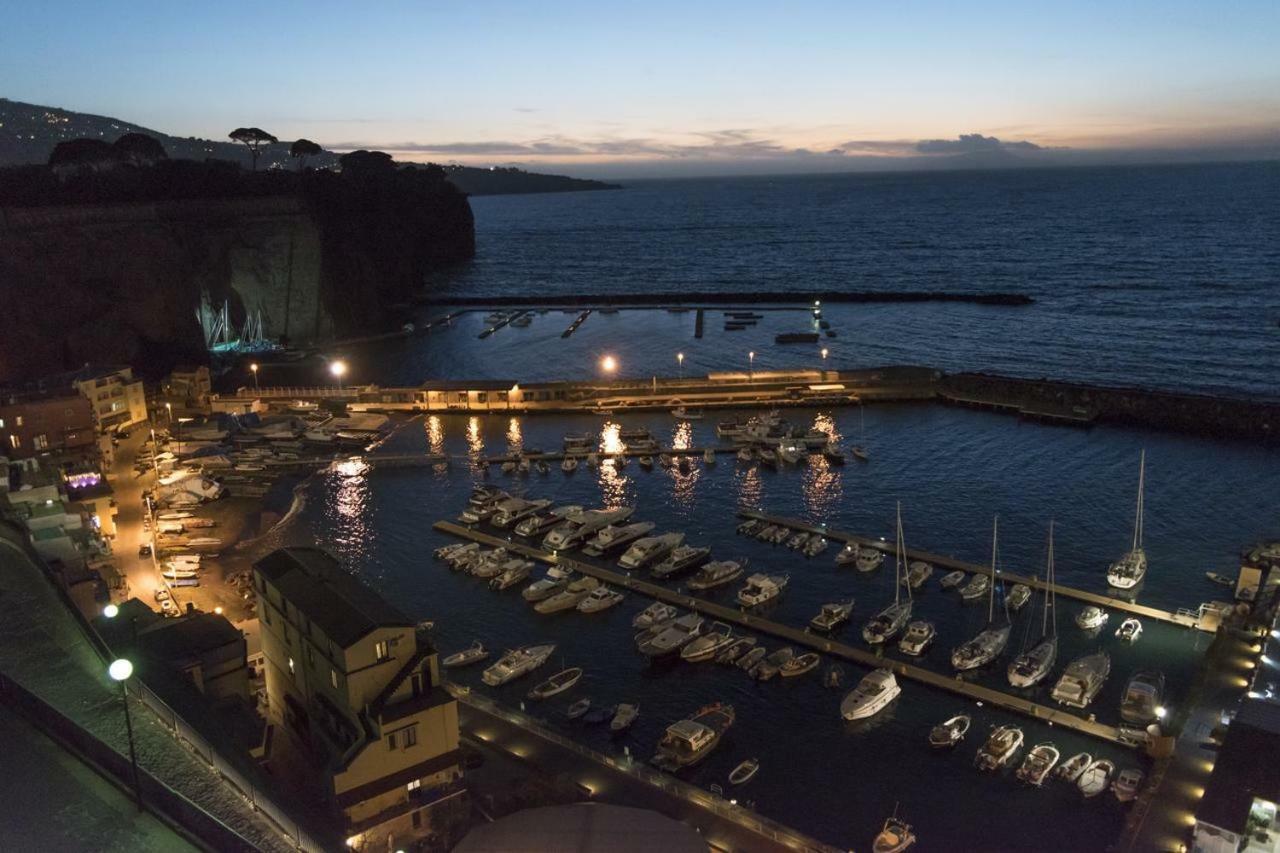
<point x="304" y="392"/>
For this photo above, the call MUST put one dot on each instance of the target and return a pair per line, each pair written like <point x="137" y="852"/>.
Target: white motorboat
<point x="624" y="717"/>
<point x="552" y="582"/>
<point x="951" y="580"/>
<point x="569" y="464"/>
<point x="513" y="572"/>
<point x="1096" y="778"/>
<point x="716" y="574"/>
<point x="484" y="507"/>
<point x="1070" y="770"/>
<point x="489" y="564"/>
<point x="568" y="598"/>
<point x="874" y="692"/>
<point x="512" y="510"/>
<point x="682" y="559"/>
<point x="950" y="732"/>
<point x="542" y="521"/>
<point x="556" y="684"/>
<point x="800" y="664"/>
<point x="577" y="529"/>
<point x="772" y="664"/>
<point x="1128" y="571"/>
<point x="615" y="536"/>
<point x="1034" y="663"/>
<point x="1018" y="597"/>
<point x="744" y="772"/>
<point x="978" y="586"/>
<point x="886" y="624"/>
<point x="832" y="616"/>
<point x="445" y="551"/>
<point x="516" y="663"/>
<point x="869" y="559"/>
<point x="1143" y="700"/>
<point x="1000" y="748"/>
<point x="815" y="546"/>
<point x="1038" y="763"/>
<point x="798" y="540"/>
<point x="1092" y="618"/>
<point x="990" y="642"/>
<point x="761" y="589"/>
<point x="848" y="554"/>
<point x="789" y="453"/>
<point x="894" y="837"/>
<point x="689" y="741"/>
<point x="673" y="637"/>
<point x="749" y="527"/>
<point x="462" y="555"/>
<point x="601" y="598"/>
<point x="466" y="657"/>
<point x="650" y="549"/>
<point x="918" y="637"/>
<point x="1082" y="679"/>
<point x="918" y="571"/>
<point x="1127" y="784"/>
<point x="654" y="614"/>
<point x="1130" y="630"/>
<point x="709" y="644"/>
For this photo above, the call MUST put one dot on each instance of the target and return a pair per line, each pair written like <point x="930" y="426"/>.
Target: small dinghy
<point x="859" y="453"/>
<point x="623" y="718"/>
<point x="744" y="772"/>
<point x="646" y="462"/>
<point x="799" y="665"/>
<point x="598" y="715"/>
<point x="833" y="678"/>
<point x="1097" y="778"/>
<point x="1018" y="596"/>
<point x="952" y="580"/>
<point x="950" y="732"/>
<point x="577" y="709"/>
<point x="1071" y="769"/>
<point x="709" y="456"/>
<point x="1130" y="630"/>
<point x="1092" y="617"/>
<point x="466" y="657"/>
<point x="749" y="660"/>
<point x="1039" y="761"/>
<point x="543" y="467"/>
<point x="736" y="649"/>
<point x="1219" y="579"/>
<point x="558" y="683"/>
<point x="569" y="465"/>
<point x="1127" y="784"/>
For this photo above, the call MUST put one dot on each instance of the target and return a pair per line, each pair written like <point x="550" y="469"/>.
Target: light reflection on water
<point x="684" y="483"/>
<point x="823" y="422"/>
<point x="515" y="436"/>
<point x="682" y="437"/>
<point x="823" y="487"/>
<point x="749" y="486"/>
<point x="475" y="438"/>
<point x="435" y="435"/>
<point x="611" y="439"/>
<point x="615" y="485"/>
<point x="348" y="506"/>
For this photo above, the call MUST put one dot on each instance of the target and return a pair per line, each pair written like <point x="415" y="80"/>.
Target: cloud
<point x="971" y="143"/>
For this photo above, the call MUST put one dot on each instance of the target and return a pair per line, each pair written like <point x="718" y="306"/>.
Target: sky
<point x="600" y="89"/>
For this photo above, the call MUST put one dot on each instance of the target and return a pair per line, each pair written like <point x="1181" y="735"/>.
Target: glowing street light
<point x="254" y="369"/>
<point x="751" y="363"/>
<point x="609" y="364"/>
<point x="169" y="408"/>
<point x="680" y="361"/>
<point x="120" y="670"/>
<point x="338" y="369"/>
<point x="111" y="612"/>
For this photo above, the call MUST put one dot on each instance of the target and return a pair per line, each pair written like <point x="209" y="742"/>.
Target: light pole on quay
<point x="120" y="670"/>
<point x="338" y="369"/>
<point x="253" y="368"/>
<point x="680" y="361"/>
<point x="751" y="364"/>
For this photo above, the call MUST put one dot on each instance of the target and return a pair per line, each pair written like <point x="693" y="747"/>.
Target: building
<point x="36" y="423"/>
<point x="356" y="687"/>
<point x="117" y="398"/>
<point x="189" y="388"/>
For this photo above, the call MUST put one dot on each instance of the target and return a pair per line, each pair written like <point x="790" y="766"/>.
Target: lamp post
<point x="680" y="361"/>
<point x="609" y="364"/>
<point x="120" y="670"/>
<point x="254" y="369"/>
<point x="338" y="369"/>
<point x="751" y="364"/>
<point x="824" y="359"/>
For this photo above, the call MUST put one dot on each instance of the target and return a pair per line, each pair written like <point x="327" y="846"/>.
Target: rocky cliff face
<point x="102" y="282"/>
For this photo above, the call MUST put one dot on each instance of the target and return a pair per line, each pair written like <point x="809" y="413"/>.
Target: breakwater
<point x="780" y="297"/>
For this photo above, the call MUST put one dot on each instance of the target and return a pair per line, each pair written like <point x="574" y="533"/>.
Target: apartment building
<point x="117" y="398"/>
<point x="37" y="423"/>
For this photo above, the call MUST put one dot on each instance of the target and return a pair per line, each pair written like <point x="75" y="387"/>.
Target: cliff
<point x="111" y="267"/>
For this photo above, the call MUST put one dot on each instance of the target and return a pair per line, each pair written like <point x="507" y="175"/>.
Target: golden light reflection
<point x="823" y="487"/>
<point x="684" y="483"/>
<point x="750" y="487"/>
<point x="823" y="422"/>
<point x="614" y="485"/>
<point x="515" y="436"/>
<point x="475" y="439"/>
<point x="350" y="500"/>
<point x="435" y="435"/>
<point x="682" y="439"/>
<point x="611" y="438"/>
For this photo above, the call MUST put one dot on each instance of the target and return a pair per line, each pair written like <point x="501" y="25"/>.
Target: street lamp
<point x="254" y="368"/>
<point x="609" y="364"/>
<point x="680" y="361"/>
<point x="120" y="670"/>
<point x="338" y="369"/>
<point x="169" y="408"/>
<point x="824" y="358"/>
<point x="751" y="364"/>
<point x="111" y="611"/>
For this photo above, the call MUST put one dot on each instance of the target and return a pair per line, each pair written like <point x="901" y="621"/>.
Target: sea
<point x="1163" y="277"/>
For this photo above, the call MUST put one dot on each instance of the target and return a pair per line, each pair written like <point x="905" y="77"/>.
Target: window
<point x="410" y="736"/>
<point x="291" y="670"/>
<point x="391" y="741"/>
<point x="41" y="441"/>
<point x="414" y="785"/>
<point x="403" y="738"/>
<point x="2" y="423"/>
<point x="14" y="442"/>
<point x="333" y="678"/>
<point x="18" y="420"/>
<point x="380" y="650"/>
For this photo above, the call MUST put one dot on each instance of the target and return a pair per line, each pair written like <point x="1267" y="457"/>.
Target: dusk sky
<point x="671" y="88"/>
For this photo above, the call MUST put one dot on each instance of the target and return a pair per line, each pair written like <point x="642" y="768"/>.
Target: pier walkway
<point x="1206" y="621"/>
<point x="800" y="637"/>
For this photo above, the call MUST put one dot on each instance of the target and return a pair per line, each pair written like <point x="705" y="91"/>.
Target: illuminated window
<point x="333" y="678"/>
<point x="414" y="785"/>
<point x="14" y="442"/>
<point x="291" y="666"/>
<point x="380" y="650"/>
<point x="1" y="423"/>
<point x="41" y="441"/>
<point x="18" y="420"/>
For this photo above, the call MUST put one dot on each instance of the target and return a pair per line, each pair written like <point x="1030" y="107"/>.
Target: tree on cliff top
<point x="81" y="152"/>
<point x="139" y="149"/>
<point x="253" y="138"/>
<point x="367" y="164"/>
<point x="302" y="149"/>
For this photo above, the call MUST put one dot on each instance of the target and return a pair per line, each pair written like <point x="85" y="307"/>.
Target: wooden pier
<point x="1187" y="619"/>
<point x="825" y="645"/>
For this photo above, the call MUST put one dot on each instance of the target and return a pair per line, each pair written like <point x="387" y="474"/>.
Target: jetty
<point x="800" y="637"/>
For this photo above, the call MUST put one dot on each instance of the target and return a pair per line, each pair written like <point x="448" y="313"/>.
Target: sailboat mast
<point x="899" y="546"/>
<point x="991" y="597"/>
<point x="1137" y="520"/>
<point x="1044" y="622"/>
<point x="1053" y="593"/>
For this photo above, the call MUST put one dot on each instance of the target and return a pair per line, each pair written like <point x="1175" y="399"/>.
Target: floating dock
<point x="833" y="648"/>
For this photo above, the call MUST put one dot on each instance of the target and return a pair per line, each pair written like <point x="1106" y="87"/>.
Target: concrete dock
<point x="833" y="648"/>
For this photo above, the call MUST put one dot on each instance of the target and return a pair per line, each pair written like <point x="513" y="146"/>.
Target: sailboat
<point x="888" y="622"/>
<point x="1030" y="667"/>
<point x="1128" y="571"/>
<point x="858" y="450"/>
<point x="988" y="645"/>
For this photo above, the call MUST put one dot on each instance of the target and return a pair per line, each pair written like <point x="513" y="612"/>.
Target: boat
<point x="990" y="642"/>
<point x="749" y="527"/>
<point x="686" y="414"/>
<point x="766" y="669"/>
<point x="682" y="559"/>
<point x="601" y="598"/>
<point x="512" y="573"/>
<point x="832" y="616"/>
<point x="950" y="732"/>
<point x="1092" y="617"/>
<point x="1096" y="779"/>
<point x="543" y="467"/>
<point x="543" y="520"/>
<point x="833" y="677"/>
<point x="569" y="464"/>
<point x="886" y="624"/>
<point x="799" y="665"/>
<point x="548" y="585"/>
<point x="1034" y="663"/>
<point x="489" y="569"/>
<point x="716" y="574"/>
<point x="848" y="554"/>
<point x="615" y="536"/>
<point x="869" y="559"/>
<point x="1001" y="746"/>
<point x="978" y="586"/>
<point x="753" y="656"/>
<point x="593" y="459"/>
<point x="509" y="467"/>
<point x="516" y="663"/>
<point x="798" y="540"/>
<point x="1036" y="766"/>
<point x="745" y="454"/>
<point x="1143" y="700"/>
<point x="744" y="772"/>
<point x="689" y="741"/>
<point x="1130" y="630"/>
<point x="576" y="529"/>
<point x="303" y="407"/>
<point x="709" y="456"/>
<point x="556" y="684"/>
<point x="1018" y="596"/>
<point x="624" y="717"/>
<point x="729" y="428"/>
<point x="894" y="837"/>
<point x="917" y="638"/>
<point x="578" y="708"/>
<point x="768" y="456"/>
<point x="918" y="571"/>
<point x="466" y="657"/>
<point x="789" y="453"/>
<point x="952" y="580"/>
<point x="1128" y="571"/>
<point x="833" y="454"/>
<point x="459" y="558"/>
<point x="444" y="552"/>
<point x="761" y="589"/>
<point x="480" y="508"/>
<point x="180" y="574"/>
<point x="1219" y="579"/>
<point x="1071" y="769"/>
<point x="568" y="598"/>
<point x="779" y="535"/>
<point x="654" y="614"/>
<point x="649" y="549"/>
<point x="1126" y="785"/>
<point x="646" y="462"/>
<point x="577" y="442"/>
<point x="765" y="532"/>
<point x="874" y="692"/>
<point x="1082" y="679"/>
<point x="815" y="546"/>
<point x="736" y="649"/>
<point x="860" y="453"/>
<point x="709" y="644"/>
<point x="673" y="636"/>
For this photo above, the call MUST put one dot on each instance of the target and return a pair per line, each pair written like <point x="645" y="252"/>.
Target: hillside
<point x="29" y="132"/>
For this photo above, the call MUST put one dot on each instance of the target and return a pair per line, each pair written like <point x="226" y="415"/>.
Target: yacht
<point x="556" y="684"/>
<point x="1082" y="680"/>
<point x="1001" y="746"/>
<point x="990" y="642"/>
<point x="601" y="598"/>
<point x="689" y="741"/>
<point x="869" y="559"/>
<point x="568" y="598"/>
<point x="649" y="549"/>
<point x="1092" y="618"/>
<point x="766" y="669"/>
<point x="1128" y="571"/>
<point x="918" y="571"/>
<point x="1096" y="778"/>
<point x="577" y="442"/>
<point x="875" y="691"/>
<point x="476" y="653"/>
<point x="516" y="663"/>
<point x="1127" y="784"/>
<point x="673" y="637"/>
<point x="894" y="837"/>
<point x="552" y="582"/>
<point x="1018" y="596"/>
<point x="682" y="559"/>
<point x="950" y="732"/>
<point x="1039" y="761"/>
<point x="1034" y="663"/>
<point x="541" y="522"/>
<point x="654" y="614"/>
<point x="716" y="574"/>
<point x="952" y="580"/>
<point x="512" y="573"/>
<point x="481" y="507"/>
<point x="1071" y="769"/>
<point x="1143" y="699"/>
<point x="978" y="586"/>
<point x="761" y="589"/>
<point x="1130" y="630"/>
<point x="578" y="528"/>
<point x="832" y="616"/>
<point x="615" y="536"/>
<point x="918" y="637"/>
<point x="886" y="624"/>
<point x="848" y="554"/>
<point x="709" y="644"/>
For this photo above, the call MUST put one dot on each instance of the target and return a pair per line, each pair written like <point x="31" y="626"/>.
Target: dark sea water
<point x="1166" y="277"/>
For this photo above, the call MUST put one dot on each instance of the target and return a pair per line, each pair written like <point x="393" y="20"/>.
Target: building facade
<point x="117" y="398"/>
<point x="357" y="684"/>
<point x="35" y="424"/>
